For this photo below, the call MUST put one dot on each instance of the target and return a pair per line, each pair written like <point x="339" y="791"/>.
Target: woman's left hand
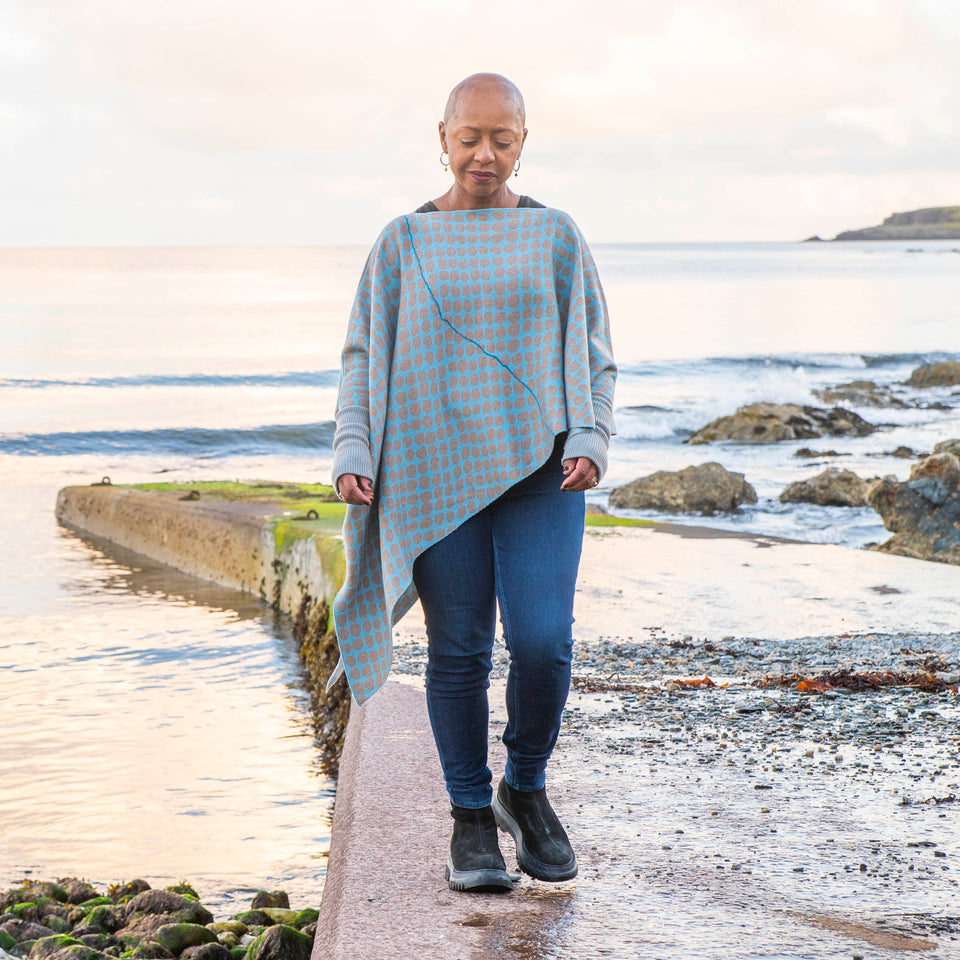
<point x="581" y="474"/>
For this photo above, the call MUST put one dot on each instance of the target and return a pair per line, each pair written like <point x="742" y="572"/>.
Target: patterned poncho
<point x="476" y="337"/>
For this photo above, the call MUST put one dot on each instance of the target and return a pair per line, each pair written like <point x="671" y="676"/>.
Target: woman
<point x="475" y="408"/>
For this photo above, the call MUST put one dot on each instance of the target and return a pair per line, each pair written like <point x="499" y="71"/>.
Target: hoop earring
<point x="445" y="163"/>
<point x="516" y="169"/>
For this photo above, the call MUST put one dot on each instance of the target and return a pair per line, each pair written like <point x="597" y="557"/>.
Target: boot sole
<point x="529" y="864"/>
<point x="489" y="880"/>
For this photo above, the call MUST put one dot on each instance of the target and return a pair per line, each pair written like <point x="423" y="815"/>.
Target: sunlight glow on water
<point x="154" y="725"/>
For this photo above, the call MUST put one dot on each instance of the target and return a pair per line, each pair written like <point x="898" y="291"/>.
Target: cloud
<point x="300" y="120"/>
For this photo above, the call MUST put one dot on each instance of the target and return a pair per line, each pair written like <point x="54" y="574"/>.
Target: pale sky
<point x="304" y="121"/>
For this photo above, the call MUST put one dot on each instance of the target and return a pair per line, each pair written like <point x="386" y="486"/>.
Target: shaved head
<point x="476" y="81"/>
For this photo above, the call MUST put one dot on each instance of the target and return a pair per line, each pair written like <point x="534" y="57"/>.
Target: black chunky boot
<point x="475" y="861"/>
<point x="543" y="850"/>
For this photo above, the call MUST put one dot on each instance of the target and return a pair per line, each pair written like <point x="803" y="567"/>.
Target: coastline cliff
<point x="930" y="223"/>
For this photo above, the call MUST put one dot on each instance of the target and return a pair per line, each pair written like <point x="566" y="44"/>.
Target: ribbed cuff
<point x="351" y="444"/>
<point x="590" y="442"/>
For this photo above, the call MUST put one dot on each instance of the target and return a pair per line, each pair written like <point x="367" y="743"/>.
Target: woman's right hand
<point x="355" y="490"/>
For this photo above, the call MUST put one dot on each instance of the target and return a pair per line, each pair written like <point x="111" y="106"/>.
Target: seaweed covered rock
<point x="103" y="918"/>
<point x="23" y="930"/>
<point x="65" y="948"/>
<point x="185" y="909"/>
<point x="254" y="918"/>
<point x="185" y="890"/>
<point x="78" y="891"/>
<point x="124" y="892"/>
<point x="176" y="937"/>
<point x="831" y="488"/>
<point x="775" y="422"/>
<point x="144" y="926"/>
<point x="271" y="898"/>
<point x="944" y="374"/>
<point x="924" y="512"/>
<point x="206" y="951"/>
<point x="706" y="489"/>
<point x="228" y="926"/>
<point x="48" y="947"/>
<point x="151" y="950"/>
<point x="46" y="890"/>
<point x="280" y="942"/>
<point x="306" y="917"/>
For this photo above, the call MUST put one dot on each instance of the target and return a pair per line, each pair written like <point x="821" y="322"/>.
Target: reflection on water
<point x="155" y="725"/>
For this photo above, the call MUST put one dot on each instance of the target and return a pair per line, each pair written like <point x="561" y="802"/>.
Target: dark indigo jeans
<point x="521" y="552"/>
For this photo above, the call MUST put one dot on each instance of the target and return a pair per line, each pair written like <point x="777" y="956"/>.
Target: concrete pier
<point x="385" y="893"/>
<point x="261" y="539"/>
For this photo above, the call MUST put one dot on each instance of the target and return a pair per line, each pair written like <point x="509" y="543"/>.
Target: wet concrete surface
<point x="738" y="821"/>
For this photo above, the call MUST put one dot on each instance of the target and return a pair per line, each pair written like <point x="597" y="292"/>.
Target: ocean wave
<point x="906" y="359"/>
<point x="647" y="422"/>
<point x="294" y="378"/>
<point x="193" y="441"/>
<point x="784" y="361"/>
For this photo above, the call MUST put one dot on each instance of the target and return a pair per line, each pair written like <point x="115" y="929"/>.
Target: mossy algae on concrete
<point x="319" y="652"/>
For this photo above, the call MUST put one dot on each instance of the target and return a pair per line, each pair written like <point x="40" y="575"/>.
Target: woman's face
<point x="483" y="140"/>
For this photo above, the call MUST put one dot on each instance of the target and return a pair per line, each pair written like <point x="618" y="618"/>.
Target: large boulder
<point x="948" y="446"/>
<point x="707" y="488"/>
<point x="862" y="393"/>
<point x="773" y="422"/>
<point x="924" y="512"/>
<point x="945" y="374"/>
<point x="831" y="488"/>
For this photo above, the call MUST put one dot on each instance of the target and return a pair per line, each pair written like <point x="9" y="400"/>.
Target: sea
<point x="155" y="726"/>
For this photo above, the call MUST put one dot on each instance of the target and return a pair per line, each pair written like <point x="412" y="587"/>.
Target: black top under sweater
<point x="431" y="207"/>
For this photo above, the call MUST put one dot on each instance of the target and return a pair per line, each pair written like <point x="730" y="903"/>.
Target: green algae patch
<point x="88" y="905"/>
<point x="296" y="494"/>
<point x="305" y="917"/>
<point x="287" y="529"/>
<point x="185" y="890"/>
<point x="606" y="520"/>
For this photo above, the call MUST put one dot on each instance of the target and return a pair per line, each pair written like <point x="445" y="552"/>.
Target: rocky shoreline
<point x="922" y="512"/>
<point x="69" y="919"/>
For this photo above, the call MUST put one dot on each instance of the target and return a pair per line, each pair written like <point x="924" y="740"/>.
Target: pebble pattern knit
<point x="475" y="338"/>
